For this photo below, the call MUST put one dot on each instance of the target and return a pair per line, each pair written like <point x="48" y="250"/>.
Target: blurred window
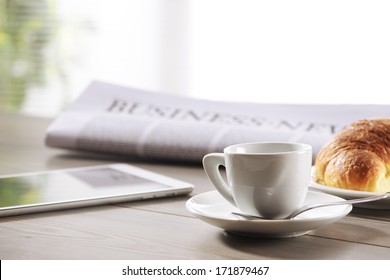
<point x="301" y="51"/>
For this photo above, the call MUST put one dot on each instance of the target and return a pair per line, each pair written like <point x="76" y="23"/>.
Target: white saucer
<point x="212" y="208"/>
<point x="351" y="194"/>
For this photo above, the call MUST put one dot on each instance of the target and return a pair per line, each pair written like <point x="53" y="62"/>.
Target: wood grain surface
<point x="155" y="229"/>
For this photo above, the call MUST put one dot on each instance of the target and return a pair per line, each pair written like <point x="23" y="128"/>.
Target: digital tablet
<point x="85" y="186"/>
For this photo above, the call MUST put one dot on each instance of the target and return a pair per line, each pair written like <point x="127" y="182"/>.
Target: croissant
<point x="358" y="158"/>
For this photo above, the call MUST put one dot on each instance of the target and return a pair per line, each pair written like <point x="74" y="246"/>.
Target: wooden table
<point x="156" y="229"/>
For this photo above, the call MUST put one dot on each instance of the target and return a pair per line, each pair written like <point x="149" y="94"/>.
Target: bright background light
<point x="332" y="51"/>
<point x="297" y="51"/>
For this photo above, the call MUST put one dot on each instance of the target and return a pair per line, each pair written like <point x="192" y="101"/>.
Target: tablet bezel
<point x="177" y="187"/>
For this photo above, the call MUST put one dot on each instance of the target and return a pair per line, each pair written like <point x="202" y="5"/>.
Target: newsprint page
<point x="136" y="123"/>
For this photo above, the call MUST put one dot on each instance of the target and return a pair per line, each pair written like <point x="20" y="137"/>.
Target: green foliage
<point x="26" y="28"/>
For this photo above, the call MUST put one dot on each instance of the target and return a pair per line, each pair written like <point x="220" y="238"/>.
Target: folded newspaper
<point x="126" y="121"/>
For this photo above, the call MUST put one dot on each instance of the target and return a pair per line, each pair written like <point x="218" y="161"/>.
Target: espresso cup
<point x="267" y="179"/>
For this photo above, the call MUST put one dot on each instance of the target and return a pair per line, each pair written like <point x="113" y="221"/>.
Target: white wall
<point x="334" y="51"/>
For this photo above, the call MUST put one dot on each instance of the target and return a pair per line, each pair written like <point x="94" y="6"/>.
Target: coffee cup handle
<point x="211" y="164"/>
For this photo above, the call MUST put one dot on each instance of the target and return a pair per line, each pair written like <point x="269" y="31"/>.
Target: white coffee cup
<point x="268" y="179"/>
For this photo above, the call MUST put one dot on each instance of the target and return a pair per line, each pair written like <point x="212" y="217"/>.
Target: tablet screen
<point x="72" y="185"/>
